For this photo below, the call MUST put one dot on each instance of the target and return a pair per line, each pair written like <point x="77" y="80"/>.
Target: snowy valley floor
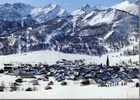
<point x="75" y="92"/>
<point x="50" y="57"/>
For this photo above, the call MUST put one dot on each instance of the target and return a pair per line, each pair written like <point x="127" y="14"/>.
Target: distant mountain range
<point x="87" y="30"/>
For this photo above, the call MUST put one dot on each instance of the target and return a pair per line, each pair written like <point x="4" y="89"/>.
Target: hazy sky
<point x="67" y="4"/>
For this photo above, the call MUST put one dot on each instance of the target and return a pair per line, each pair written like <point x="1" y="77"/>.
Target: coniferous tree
<point x="107" y="61"/>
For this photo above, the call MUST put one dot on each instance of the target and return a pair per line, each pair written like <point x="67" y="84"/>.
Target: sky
<point x="69" y="5"/>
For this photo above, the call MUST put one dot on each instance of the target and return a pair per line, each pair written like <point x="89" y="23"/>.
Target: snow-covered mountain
<point x="128" y="7"/>
<point x="87" y="30"/>
<point x="14" y="16"/>
<point x="12" y="12"/>
<point x="83" y="10"/>
<point x="48" y="12"/>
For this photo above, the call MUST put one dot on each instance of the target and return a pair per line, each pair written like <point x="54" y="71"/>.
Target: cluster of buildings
<point x="104" y="75"/>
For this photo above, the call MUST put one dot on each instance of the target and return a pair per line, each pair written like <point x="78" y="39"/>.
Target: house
<point x="123" y="82"/>
<point x="8" y="67"/>
<point x="26" y="75"/>
<point x="113" y="82"/>
<point x="92" y="81"/>
<point x="136" y="82"/>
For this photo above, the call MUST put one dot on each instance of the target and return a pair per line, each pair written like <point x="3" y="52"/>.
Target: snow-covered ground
<point x="75" y="92"/>
<point x="72" y="90"/>
<point x="50" y="57"/>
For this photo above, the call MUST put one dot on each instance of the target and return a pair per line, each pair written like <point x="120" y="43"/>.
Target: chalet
<point x="123" y="82"/>
<point x="45" y="65"/>
<point x="92" y="81"/>
<point x="116" y="82"/>
<point x="8" y="67"/>
<point x="136" y="82"/>
<point x="113" y="82"/>
<point x="26" y="75"/>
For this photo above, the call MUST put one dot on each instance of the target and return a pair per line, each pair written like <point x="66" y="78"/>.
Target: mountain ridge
<point x="91" y="32"/>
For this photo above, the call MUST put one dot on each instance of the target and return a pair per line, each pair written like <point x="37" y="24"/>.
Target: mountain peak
<point x="48" y="12"/>
<point x="83" y="10"/>
<point x="87" y="8"/>
<point x="52" y="6"/>
<point x="21" y="5"/>
<point x="127" y="6"/>
<point x="16" y="5"/>
<point x="12" y="12"/>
